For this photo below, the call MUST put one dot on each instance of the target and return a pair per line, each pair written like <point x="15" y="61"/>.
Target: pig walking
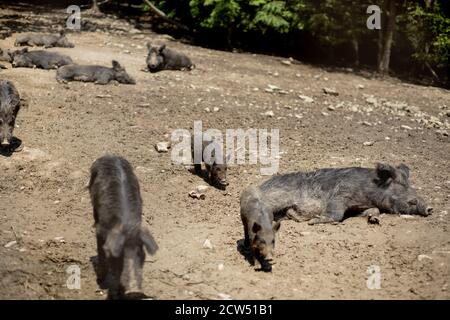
<point x="9" y="107"/>
<point x="117" y="206"/>
<point x="324" y="196"/>
<point x="216" y="167"/>
<point x="162" y="58"/>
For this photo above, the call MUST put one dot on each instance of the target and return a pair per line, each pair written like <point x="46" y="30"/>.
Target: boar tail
<point x="148" y="241"/>
<point x="115" y="241"/>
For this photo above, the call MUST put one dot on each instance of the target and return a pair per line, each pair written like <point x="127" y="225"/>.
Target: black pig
<point x="162" y="58"/>
<point x="39" y="59"/>
<point x="324" y="196"/>
<point x="216" y="168"/>
<point x="9" y="107"/>
<point x="93" y="73"/>
<point x="117" y="204"/>
<point x="46" y="40"/>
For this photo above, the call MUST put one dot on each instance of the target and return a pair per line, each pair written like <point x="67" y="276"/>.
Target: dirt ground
<point x="45" y="205"/>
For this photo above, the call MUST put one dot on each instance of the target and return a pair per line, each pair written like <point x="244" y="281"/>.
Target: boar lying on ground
<point x="46" y="40"/>
<point x="5" y="55"/>
<point x="39" y="59"/>
<point x="324" y="196"/>
<point x="9" y="107"/>
<point x="162" y="58"/>
<point x="216" y="168"/>
<point x="93" y="73"/>
<point x="117" y="204"/>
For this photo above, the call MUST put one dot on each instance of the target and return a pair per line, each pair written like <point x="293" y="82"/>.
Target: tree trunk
<point x="355" y="45"/>
<point x="386" y="37"/>
<point x="95" y="6"/>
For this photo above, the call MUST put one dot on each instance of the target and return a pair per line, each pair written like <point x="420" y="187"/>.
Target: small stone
<point x="330" y="91"/>
<point x="286" y="62"/>
<point x="368" y="143"/>
<point x="224" y="296"/>
<point x="197" y="195"/>
<point x="406" y="127"/>
<point x="422" y="257"/>
<point x="269" y="113"/>
<point x="10" y="244"/>
<point x="324" y="114"/>
<point x="202" y="188"/>
<point x="331" y="108"/>
<point x="207" y="109"/>
<point x="162" y="147"/>
<point x="407" y="216"/>
<point x="216" y="109"/>
<point x="207" y="244"/>
<point x="360" y="86"/>
<point x="220" y="266"/>
<point x="306" y="99"/>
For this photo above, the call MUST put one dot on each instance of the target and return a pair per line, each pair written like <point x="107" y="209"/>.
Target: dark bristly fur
<point x="217" y="170"/>
<point x="39" y="59"/>
<point x="45" y="40"/>
<point x="9" y="107"/>
<point x="324" y="196"/>
<point x="117" y="206"/>
<point x="94" y="73"/>
<point x="162" y="58"/>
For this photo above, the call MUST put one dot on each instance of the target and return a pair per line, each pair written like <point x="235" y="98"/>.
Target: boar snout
<point x="5" y="142"/>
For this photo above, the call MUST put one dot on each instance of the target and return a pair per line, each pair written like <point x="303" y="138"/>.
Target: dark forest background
<point x="413" y="43"/>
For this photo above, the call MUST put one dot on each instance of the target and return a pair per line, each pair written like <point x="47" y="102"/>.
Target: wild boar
<point x="9" y="108"/>
<point x="162" y="58"/>
<point x="117" y="206"/>
<point x="94" y="73"/>
<point x="41" y="39"/>
<point x="39" y="59"/>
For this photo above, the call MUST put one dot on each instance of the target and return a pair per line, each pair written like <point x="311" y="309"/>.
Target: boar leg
<point x="246" y="235"/>
<point x="101" y="260"/>
<point x="198" y="168"/>
<point x="335" y="213"/>
<point x="115" y="288"/>
<point x="102" y="80"/>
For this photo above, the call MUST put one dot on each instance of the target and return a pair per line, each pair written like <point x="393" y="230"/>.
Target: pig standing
<point x="117" y="204"/>
<point x="93" y="73"/>
<point x="9" y="107"/>
<point x="46" y="40"/>
<point x="325" y="195"/>
<point x="39" y="59"/>
<point x="162" y="58"/>
<point x="215" y="167"/>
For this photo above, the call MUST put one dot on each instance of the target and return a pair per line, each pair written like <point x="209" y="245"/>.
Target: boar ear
<point x="116" y="65"/>
<point x="405" y="169"/>
<point x="148" y="240"/>
<point x="385" y="171"/>
<point x="276" y="226"/>
<point x="162" y="47"/>
<point x="256" y="227"/>
<point x="114" y="241"/>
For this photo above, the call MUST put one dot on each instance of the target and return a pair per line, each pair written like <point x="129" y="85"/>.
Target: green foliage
<point x="256" y="15"/>
<point x="428" y="30"/>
